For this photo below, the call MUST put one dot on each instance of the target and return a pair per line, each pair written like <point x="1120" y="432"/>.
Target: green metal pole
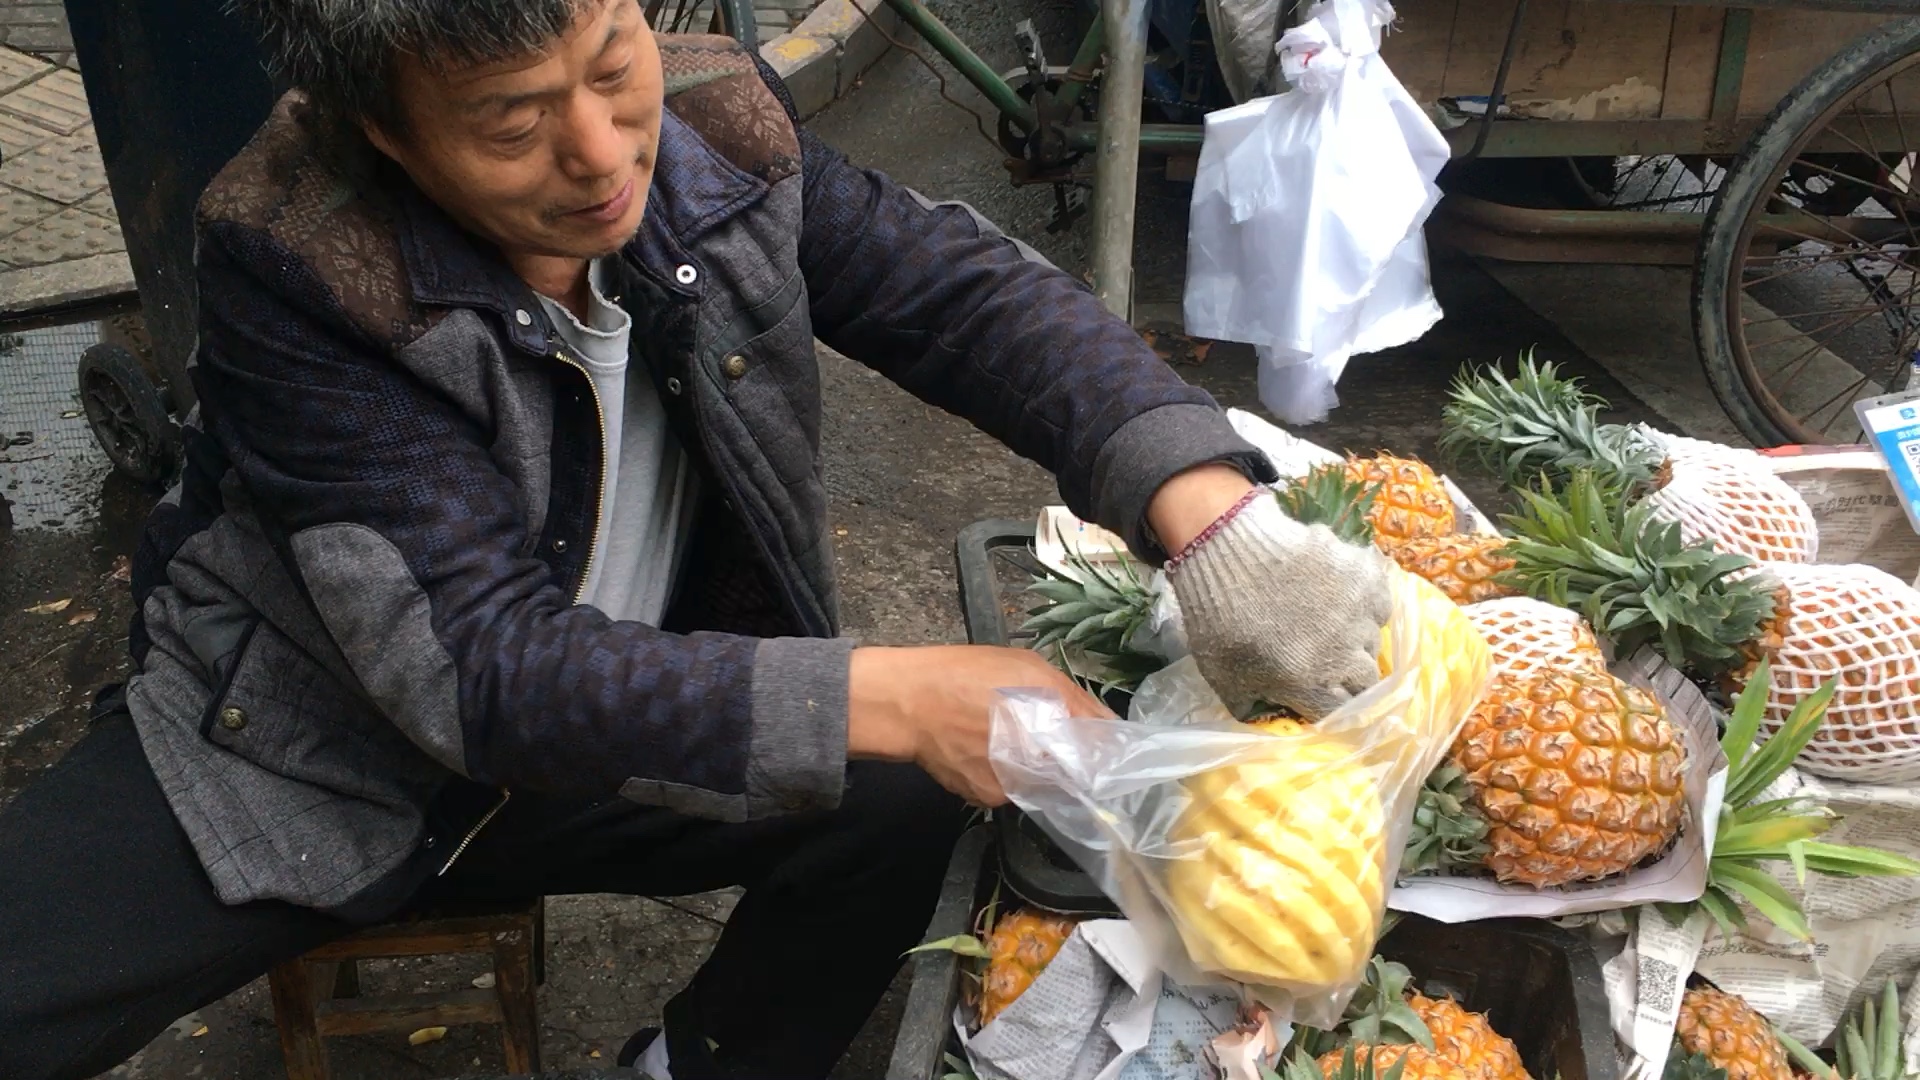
<point x="965" y="60"/>
<point x="1084" y="62"/>
<point x="1154" y="138"/>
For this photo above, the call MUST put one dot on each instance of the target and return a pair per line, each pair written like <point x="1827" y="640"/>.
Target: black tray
<point x="1539" y="985"/>
<point x="995" y="562"/>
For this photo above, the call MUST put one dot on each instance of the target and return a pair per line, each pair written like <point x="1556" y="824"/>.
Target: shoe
<point x="637" y="1045"/>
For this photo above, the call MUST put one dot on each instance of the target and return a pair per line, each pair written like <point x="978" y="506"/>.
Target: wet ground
<point x="904" y="479"/>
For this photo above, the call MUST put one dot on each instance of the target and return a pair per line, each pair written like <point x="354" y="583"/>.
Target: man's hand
<point x="933" y="705"/>
<point x="1276" y="613"/>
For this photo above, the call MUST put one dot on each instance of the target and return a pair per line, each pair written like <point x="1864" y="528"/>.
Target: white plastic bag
<point x="1305" y="238"/>
<point x="1261" y="857"/>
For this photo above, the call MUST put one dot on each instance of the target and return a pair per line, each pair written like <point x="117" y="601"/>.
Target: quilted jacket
<point x="357" y="631"/>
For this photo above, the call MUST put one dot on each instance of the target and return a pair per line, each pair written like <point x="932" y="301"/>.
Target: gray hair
<point x="342" y="52"/>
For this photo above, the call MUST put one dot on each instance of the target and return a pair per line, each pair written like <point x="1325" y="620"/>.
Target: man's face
<point x="547" y="155"/>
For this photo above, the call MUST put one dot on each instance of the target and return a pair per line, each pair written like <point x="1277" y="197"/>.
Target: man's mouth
<point x="609" y="211"/>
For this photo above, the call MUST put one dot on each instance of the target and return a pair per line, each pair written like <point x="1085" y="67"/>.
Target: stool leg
<point x="513" y="952"/>
<point x="540" y="942"/>
<point x="294" y="1002"/>
<point x="346" y="979"/>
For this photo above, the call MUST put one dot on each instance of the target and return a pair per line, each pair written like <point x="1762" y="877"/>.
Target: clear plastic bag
<point x="1263" y="856"/>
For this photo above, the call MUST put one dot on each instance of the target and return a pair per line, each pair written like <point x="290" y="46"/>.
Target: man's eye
<point x="512" y="139"/>
<point x="616" y="77"/>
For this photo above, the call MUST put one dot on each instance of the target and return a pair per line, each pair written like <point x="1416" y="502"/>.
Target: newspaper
<point x="1851" y="494"/>
<point x="1644" y="981"/>
<point x="1102" y="1011"/>
<point x="1865" y="930"/>
<point x="1680" y="875"/>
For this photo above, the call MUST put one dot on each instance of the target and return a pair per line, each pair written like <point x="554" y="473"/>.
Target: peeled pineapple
<point x="1287" y="878"/>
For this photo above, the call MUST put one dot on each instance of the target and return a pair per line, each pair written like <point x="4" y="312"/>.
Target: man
<point x="499" y="565"/>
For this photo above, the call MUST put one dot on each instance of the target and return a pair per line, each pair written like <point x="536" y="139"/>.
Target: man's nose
<point x="593" y="145"/>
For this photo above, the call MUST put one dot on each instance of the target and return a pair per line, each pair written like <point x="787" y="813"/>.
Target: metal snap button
<point x="685" y="274"/>
<point x="735" y="366"/>
<point x="560" y="545"/>
<point x="520" y="316"/>
<point x="232" y="718"/>
<point x="673" y="386"/>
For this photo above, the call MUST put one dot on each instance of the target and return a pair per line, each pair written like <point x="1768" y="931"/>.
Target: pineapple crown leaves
<point x="1302" y="1066"/>
<point x="1539" y="425"/>
<point x="1378" y="1014"/>
<point x="1682" y="1065"/>
<point x="1098" y="612"/>
<point x="1329" y="495"/>
<point x="1755" y="832"/>
<point x="1869" y="1046"/>
<point x="1446" y="830"/>
<point x="1633" y="576"/>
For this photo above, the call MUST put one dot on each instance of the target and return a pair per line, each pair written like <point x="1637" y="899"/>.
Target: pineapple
<point x="1576" y="774"/>
<point x="1528" y="635"/>
<point x="1390" y="1022"/>
<point x="1754" y="830"/>
<point x="1415" y="1062"/>
<point x="1463" y="565"/>
<point x="1468" y="1039"/>
<point x="1539" y="426"/>
<point x="1715" y="614"/>
<point x="1021" y="946"/>
<point x="1730" y="1035"/>
<point x="1412" y="502"/>
<point x="1331" y="495"/>
<point x="1282" y="879"/>
<point x="1013" y="953"/>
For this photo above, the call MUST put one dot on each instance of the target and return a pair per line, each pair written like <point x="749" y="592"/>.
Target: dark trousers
<point x="110" y="931"/>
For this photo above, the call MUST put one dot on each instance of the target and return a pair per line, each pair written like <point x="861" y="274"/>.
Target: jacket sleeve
<point x="385" y="498"/>
<point x="936" y="298"/>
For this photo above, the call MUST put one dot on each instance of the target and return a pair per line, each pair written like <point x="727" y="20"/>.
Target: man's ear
<point x="380" y="139"/>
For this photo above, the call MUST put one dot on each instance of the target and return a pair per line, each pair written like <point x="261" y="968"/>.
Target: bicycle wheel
<point x="1806" y="294"/>
<point x="731" y="17"/>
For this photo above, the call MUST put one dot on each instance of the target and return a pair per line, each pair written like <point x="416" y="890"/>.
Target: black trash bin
<point x="176" y="88"/>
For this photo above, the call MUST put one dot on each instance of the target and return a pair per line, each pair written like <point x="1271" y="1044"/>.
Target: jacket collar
<point x="694" y="190"/>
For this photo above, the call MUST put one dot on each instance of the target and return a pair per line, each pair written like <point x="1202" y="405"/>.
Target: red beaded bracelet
<point x="1173" y="564"/>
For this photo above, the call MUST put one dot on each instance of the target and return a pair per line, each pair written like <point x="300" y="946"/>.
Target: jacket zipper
<point x="586" y="571"/>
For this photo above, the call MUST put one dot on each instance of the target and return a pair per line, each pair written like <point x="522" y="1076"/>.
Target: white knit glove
<point x="1281" y="614"/>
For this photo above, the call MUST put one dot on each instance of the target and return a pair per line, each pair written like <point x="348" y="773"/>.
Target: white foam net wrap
<point x="1527" y="635"/>
<point x="1862" y="625"/>
<point x="1740" y="509"/>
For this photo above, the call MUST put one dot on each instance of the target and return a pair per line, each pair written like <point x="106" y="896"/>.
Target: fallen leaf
<point x="199" y="1031"/>
<point x="70" y="414"/>
<point x="593" y="1053"/>
<point x="483" y="982"/>
<point x="839" y="532"/>
<point x="51" y="607"/>
<point x="1200" y="350"/>
<point x="79" y="617"/>
<point x="122" y="569"/>
<point x="426" y="1035"/>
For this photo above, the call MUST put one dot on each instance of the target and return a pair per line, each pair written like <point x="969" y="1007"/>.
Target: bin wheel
<point x="124" y="409"/>
<point x="1806" y="293"/>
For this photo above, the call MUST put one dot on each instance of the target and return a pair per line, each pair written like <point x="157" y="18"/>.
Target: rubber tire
<point x="149" y="458"/>
<point x="1717" y="269"/>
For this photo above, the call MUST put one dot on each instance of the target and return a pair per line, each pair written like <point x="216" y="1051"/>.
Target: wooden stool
<point x="513" y="933"/>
